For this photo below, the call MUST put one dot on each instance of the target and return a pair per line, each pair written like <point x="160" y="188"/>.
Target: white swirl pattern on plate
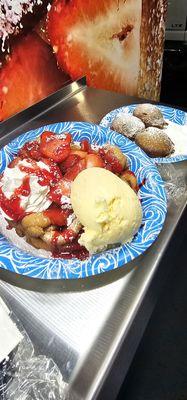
<point x="173" y="114"/>
<point x="152" y="196"/>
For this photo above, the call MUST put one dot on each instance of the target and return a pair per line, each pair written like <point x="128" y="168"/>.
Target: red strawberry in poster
<point x="29" y="75"/>
<point x="99" y="39"/>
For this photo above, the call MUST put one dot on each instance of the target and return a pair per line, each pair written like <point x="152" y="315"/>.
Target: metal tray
<point x="90" y="327"/>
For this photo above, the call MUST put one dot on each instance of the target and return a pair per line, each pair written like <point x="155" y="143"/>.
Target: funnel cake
<point x="35" y="190"/>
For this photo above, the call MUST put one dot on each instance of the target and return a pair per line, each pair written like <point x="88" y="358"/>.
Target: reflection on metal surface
<point x="82" y="325"/>
<point x="75" y="86"/>
<point x="80" y="97"/>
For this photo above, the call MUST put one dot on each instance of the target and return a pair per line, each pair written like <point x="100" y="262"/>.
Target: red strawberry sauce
<point x="12" y="206"/>
<point x="71" y="250"/>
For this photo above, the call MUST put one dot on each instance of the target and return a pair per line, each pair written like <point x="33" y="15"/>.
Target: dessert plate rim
<point x="152" y="194"/>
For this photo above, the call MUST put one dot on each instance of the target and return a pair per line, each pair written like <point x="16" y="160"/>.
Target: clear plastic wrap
<point x="28" y="376"/>
<point x="175" y="183"/>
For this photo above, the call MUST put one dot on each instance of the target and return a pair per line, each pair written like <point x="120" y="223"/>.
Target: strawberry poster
<point x="116" y="44"/>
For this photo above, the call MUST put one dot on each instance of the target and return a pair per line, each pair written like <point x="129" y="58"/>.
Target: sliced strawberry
<point x="85" y="146"/>
<point x="54" y="148"/>
<point x="30" y="150"/>
<point x="75" y="170"/>
<point x="47" y="136"/>
<point x="29" y="75"/>
<point x="57" y="216"/>
<point x="99" y="40"/>
<point x="62" y="188"/>
<point x="129" y="177"/>
<point x="23" y="152"/>
<point x="70" y="161"/>
<point x="94" y="160"/>
<point x="80" y="153"/>
<point x="111" y="161"/>
<point x="55" y="151"/>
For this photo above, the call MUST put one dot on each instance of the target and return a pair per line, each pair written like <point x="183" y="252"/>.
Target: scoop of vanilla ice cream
<point x="107" y="207"/>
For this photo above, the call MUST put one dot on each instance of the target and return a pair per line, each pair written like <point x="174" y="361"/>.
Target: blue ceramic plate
<point x="173" y="114"/>
<point x="152" y="196"/>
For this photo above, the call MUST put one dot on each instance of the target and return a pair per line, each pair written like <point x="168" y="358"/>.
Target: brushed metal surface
<point x="90" y="327"/>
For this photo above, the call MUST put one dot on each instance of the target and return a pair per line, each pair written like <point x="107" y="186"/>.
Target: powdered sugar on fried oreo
<point x="155" y="142"/>
<point x="127" y="124"/>
<point x="150" y="115"/>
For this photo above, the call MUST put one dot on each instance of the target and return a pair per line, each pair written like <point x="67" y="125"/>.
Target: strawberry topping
<point x="111" y="161"/>
<point x="57" y="216"/>
<point x="94" y="160"/>
<point x="75" y="170"/>
<point x="30" y="150"/>
<point x="55" y="148"/>
<point x="86" y="146"/>
<point x="62" y="188"/>
<point x="70" y="161"/>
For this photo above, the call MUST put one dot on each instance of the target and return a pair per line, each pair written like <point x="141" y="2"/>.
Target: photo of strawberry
<point x="29" y="75"/>
<point x="53" y="42"/>
<point x="98" y="40"/>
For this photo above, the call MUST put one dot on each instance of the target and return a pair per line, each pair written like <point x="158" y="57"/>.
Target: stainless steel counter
<point x="90" y="327"/>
